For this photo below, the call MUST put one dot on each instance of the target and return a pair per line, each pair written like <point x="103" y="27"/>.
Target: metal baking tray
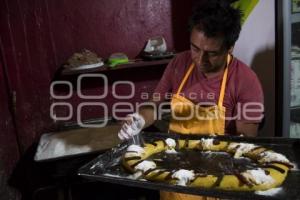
<point x="107" y="168"/>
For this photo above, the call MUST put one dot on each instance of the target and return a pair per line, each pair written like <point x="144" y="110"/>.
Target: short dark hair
<point x="215" y="18"/>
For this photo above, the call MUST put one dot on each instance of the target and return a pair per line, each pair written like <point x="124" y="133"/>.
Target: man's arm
<point x="247" y="129"/>
<point x="164" y="86"/>
<point x="250" y="103"/>
<point x="148" y="113"/>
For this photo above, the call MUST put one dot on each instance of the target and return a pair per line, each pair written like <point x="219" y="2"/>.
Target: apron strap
<point x="191" y="67"/>
<point x="224" y="81"/>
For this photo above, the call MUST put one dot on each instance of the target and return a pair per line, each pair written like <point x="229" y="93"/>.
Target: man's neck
<point x="215" y="74"/>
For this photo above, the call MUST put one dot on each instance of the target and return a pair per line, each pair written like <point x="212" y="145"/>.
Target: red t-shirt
<point x="243" y="94"/>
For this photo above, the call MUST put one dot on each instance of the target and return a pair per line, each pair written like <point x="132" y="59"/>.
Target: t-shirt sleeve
<point x="164" y="87"/>
<point x="250" y="102"/>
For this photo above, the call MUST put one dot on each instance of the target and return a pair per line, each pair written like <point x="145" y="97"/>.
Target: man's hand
<point x="133" y="125"/>
<point x="247" y="129"/>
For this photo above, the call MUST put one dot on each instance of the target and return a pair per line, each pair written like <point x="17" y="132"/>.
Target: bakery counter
<point x="52" y="163"/>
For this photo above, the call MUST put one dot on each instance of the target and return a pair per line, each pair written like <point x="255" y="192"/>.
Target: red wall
<point x="9" y="153"/>
<point x="38" y="36"/>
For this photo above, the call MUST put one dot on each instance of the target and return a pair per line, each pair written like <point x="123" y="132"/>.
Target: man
<point x="213" y="92"/>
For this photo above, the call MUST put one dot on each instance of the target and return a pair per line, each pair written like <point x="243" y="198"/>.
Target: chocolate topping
<point x="214" y="163"/>
<point x="216" y="142"/>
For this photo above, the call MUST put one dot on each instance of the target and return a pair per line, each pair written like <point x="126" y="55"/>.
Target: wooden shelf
<point x="123" y="66"/>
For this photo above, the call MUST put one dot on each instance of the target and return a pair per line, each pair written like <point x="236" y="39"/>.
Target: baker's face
<point x="208" y="54"/>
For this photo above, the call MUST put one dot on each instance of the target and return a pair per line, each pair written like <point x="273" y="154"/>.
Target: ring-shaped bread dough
<point x="272" y="171"/>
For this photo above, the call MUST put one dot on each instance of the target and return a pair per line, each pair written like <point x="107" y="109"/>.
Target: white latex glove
<point x="133" y="125"/>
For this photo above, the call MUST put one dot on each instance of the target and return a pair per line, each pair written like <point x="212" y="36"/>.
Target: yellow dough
<point x="272" y="171"/>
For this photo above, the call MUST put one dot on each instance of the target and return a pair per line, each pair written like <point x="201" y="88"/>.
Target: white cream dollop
<point x="206" y="143"/>
<point x="258" y="176"/>
<point x="241" y="148"/>
<point x="145" y="166"/>
<point x="269" y="156"/>
<point x="171" y="142"/>
<point x="138" y="150"/>
<point x="183" y="176"/>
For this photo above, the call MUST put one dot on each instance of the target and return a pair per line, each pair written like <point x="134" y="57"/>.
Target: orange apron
<point x="188" y="118"/>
